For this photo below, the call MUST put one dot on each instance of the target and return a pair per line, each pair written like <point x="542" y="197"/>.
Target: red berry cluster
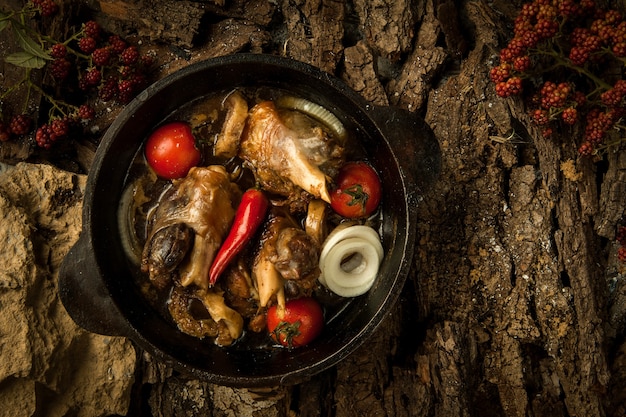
<point x="558" y="60"/>
<point x="621" y="239"/>
<point x="19" y="124"/>
<point x="46" y="7"/>
<point x="103" y="67"/>
<point x="110" y="58"/>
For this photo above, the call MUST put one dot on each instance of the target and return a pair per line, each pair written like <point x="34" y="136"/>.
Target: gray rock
<point x="48" y="365"/>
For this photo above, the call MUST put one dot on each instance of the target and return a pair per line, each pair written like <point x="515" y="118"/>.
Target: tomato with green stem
<point x="357" y="190"/>
<point x="297" y="324"/>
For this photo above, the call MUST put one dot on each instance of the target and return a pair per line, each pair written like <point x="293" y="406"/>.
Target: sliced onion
<point x="315" y="111"/>
<point x="347" y="230"/>
<point x="125" y="211"/>
<point x="350" y="259"/>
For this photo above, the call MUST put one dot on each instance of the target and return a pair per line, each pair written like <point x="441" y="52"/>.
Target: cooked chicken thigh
<point x="204" y="201"/>
<point x="288" y="152"/>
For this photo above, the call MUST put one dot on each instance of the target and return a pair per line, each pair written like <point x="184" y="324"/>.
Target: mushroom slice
<point x="227" y="141"/>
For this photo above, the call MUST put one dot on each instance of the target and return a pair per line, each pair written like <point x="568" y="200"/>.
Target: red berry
<point x="612" y="17"/>
<point x="611" y="97"/>
<point x="129" y="55"/>
<point x="5" y="133"/>
<point x="521" y="63"/>
<point x="530" y="38"/>
<point x="568" y="8"/>
<point x="87" y="44"/>
<point x="101" y="56"/>
<point x="569" y="115"/>
<point x="529" y="10"/>
<point x="92" y="77"/>
<point x="514" y="85"/>
<point x="502" y="89"/>
<point x="620" y="87"/>
<point x="500" y="73"/>
<point x="108" y="90"/>
<point x="579" y="55"/>
<point x="59" y="127"/>
<point x="546" y="28"/>
<point x="586" y="149"/>
<point x="48" y="7"/>
<point x="45" y="137"/>
<point x="86" y="112"/>
<point x="58" y="50"/>
<point x="92" y="29"/>
<point x="541" y="117"/>
<point x="60" y="68"/>
<point x="619" y="49"/>
<point x="117" y="43"/>
<point x="20" y="124"/>
<point x="126" y="91"/>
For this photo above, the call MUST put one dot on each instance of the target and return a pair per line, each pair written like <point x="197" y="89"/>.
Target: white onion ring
<point x="342" y="232"/>
<point x="357" y="275"/>
<point x="354" y="274"/>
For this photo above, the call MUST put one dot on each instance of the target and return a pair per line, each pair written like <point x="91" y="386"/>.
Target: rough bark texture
<point x="515" y="306"/>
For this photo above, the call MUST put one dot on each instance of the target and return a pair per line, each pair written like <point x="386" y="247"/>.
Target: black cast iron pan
<point x="98" y="290"/>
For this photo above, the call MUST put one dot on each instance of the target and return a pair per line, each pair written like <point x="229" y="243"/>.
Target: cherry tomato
<point x="357" y="191"/>
<point x="171" y="150"/>
<point x="299" y="324"/>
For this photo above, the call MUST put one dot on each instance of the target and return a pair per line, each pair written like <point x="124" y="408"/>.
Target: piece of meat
<point x="230" y="323"/>
<point x="297" y="256"/>
<point x="227" y="141"/>
<point x="205" y="202"/>
<point x="180" y="308"/>
<point x="288" y="152"/>
<point x="212" y="318"/>
<point x="239" y="290"/>
<point x="165" y="251"/>
<point x="287" y="258"/>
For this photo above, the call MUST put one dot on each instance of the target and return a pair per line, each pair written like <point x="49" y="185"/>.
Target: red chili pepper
<point x="249" y="216"/>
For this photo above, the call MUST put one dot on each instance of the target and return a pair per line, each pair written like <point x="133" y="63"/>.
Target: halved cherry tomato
<point x="357" y="190"/>
<point x="171" y="150"/>
<point x="301" y="321"/>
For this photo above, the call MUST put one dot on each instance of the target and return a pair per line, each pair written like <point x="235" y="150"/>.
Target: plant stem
<point x="566" y="63"/>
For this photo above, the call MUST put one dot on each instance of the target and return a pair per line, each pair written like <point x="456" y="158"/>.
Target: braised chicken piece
<point x="288" y="152"/>
<point x="167" y="248"/>
<point x="241" y="294"/>
<point x="204" y="313"/>
<point x="188" y="226"/>
<point x="181" y="307"/>
<point x="288" y="258"/>
<point x="227" y="141"/>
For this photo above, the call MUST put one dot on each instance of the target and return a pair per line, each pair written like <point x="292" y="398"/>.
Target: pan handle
<point x="416" y="146"/>
<point x="84" y="295"/>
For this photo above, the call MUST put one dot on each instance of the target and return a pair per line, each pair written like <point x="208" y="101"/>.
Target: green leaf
<point x="25" y="60"/>
<point x="28" y="44"/>
<point x="4" y="21"/>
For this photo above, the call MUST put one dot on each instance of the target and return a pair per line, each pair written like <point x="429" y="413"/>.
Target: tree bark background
<point x="516" y="304"/>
